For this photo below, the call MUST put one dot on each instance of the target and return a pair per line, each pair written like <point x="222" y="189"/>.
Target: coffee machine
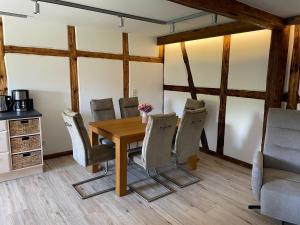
<point x="21" y="101"/>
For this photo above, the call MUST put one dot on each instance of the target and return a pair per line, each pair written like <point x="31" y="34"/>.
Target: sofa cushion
<point x="280" y="195"/>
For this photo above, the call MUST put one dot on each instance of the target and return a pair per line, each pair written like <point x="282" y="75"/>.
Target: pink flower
<point x="144" y="107"/>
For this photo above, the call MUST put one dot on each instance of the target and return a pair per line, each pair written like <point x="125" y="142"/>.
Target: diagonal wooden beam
<point x="208" y="32"/>
<point x="236" y="10"/>
<point x="293" y="93"/>
<point x="192" y="88"/>
<point x="3" y="75"/>
<point x="223" y="94"/>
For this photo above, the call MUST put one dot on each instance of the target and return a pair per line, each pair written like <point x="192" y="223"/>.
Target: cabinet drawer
<point x="23" y="127"/>
<point x="27" y="159"/>
<point x="4" y="162"/>
<point x="3" y="125"/>
<point x="25" y="143"/>
<point x="4" y="146"/>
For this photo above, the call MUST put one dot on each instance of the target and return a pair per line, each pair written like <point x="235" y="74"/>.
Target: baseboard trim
<point x="227" y="158"/>
<point x="58" y="154"/>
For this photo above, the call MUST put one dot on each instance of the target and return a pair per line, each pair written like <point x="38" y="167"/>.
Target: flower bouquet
<point x="145" y="109"/>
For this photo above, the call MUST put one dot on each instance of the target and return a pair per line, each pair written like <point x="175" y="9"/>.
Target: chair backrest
<point x="192" y="104"/>
<point x="102" y="109"/>
<point x="282" y="142"/>
<point x="157" y="144"/>
<point x="189" y="133"/>
<point x="129" y="107"/>
<point x="80" y="141"/>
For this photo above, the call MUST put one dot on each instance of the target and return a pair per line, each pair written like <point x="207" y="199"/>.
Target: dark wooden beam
<point x="276" y="72"/>
<point x="192" y="88"/>
<point x="100" y="55"/>
<point x="3" y="75"/>
<point x="125" y="65"/>
<point x="148" y="59"/>
<point x="223" y="97"/>
<point x="292" y="20"/>
<point x="36" y="51"/>
<point x="247" y="94"/>
<point x="236" y="10"/>
<point x="207" y="32"/>
<point x="189" y="72"/>
<point x="73" y="69"/>
<point x="293" y="91"/>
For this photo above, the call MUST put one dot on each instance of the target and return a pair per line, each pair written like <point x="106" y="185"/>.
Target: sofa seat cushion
<point x="280" y="195"/>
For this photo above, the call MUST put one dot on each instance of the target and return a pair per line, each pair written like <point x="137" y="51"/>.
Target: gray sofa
<point x="276" y="171"/>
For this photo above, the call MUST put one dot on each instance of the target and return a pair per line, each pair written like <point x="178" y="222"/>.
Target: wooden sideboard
<point x="21" y="148"/>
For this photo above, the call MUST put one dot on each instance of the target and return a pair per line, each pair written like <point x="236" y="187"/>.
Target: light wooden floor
<point x="220" y="198"/>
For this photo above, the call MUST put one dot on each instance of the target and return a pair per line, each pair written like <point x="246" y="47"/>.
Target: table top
<point x="121" y="127"/>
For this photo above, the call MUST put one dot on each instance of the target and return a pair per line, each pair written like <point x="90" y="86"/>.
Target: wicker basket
<point x="27" y="159"/>
<point x="23" y="127"/>
<point x="22" y="144"/>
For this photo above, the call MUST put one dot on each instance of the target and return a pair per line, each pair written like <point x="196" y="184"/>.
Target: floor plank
<point x="221" y="197"/>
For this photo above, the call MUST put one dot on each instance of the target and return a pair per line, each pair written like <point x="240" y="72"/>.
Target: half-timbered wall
<point x="68" y="66"/>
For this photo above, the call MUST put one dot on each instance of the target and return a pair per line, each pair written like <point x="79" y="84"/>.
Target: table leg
<point x="94" y="141"/>
<point x="121" y="168"/>
<point x="192" y="162"/>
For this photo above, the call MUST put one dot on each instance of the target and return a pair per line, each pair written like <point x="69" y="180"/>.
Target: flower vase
<point x="144" y="117"/>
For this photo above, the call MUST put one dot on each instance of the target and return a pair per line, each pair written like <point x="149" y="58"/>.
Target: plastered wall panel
<point x="31" y="33"/>
<point x="249" y="56"/>
<point x="48" y="82"/>
<point x="145" y="81"/>
<point x="174" y="68"/>
<point x="98" y="40"/>
<point x="243" y="130"/>
<point x="142" y="45"/>
<point x="98" y="79"/>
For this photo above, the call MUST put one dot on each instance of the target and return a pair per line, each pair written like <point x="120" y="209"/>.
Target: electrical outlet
<point x="134" y="92"/>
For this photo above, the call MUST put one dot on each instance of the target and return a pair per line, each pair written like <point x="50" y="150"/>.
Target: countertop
<point x="19" y="115"/>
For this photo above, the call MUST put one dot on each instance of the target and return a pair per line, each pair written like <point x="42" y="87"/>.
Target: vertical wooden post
<point x="3" y="75"/>
<point x="192" y="89"/>
<point x="125" y="65"/>
<point x="293" y="92"/>
<point x="73" y="69"/>
<point x="223" y="94"/>
<point x="276" y="72"/>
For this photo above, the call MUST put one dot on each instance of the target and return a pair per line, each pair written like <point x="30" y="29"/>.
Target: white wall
<point x="247" y="70"/>
<point x="48" y="78"/>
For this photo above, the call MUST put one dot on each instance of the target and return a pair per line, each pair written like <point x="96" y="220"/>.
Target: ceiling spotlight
<point x="121" y="25"/>
<point x="172" y="27"/>
<point x="214" y="19"/>
<point x="36" y="9"/>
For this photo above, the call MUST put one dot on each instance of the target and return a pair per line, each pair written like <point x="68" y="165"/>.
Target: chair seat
<point x="101" y="153"/>
<point x="105" y="141"/>
<point x="280" y="195"/>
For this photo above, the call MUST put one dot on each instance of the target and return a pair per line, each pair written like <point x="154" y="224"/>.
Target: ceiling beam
<point x="294" y="20"/>
<point x="207" y="32"/>
<point x="236" y="10"/>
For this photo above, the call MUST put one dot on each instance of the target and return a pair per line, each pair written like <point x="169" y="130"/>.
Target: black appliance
<point x="21" y="100"/>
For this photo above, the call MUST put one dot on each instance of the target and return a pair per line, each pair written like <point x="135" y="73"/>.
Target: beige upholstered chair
<point x="156" y="149"/>
<point x="103" y="109"/>
<point x="187" y="142"/>
<point x="129" y="107"/>
<point x="83" y="153"/>
<point x="192" y="104"/>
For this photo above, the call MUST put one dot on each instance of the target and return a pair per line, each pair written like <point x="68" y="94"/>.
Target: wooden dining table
<point x="122" y="132"/>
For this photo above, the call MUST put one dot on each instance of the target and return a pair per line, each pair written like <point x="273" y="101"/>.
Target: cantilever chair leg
<point x="82" y="196"/>
<point x="169" y="189"/>
<point x="253" y="206"/>
<point x="177" y="183"/>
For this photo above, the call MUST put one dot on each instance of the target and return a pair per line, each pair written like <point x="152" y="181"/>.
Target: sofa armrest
<point x="257" y="174"/>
